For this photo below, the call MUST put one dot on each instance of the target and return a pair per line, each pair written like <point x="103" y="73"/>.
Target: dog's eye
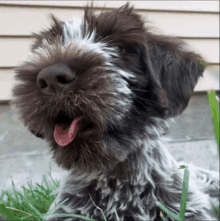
<point x="120" y="49"/>
<point x="37" y="134"/>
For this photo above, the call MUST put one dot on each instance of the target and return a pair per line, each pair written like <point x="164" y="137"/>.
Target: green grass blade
<point x="10" y="198"/>
<point x="168" y="212"/>
<point x="30" y="204"/>
<point x="42" y="188"/>
<point x="213" y="103"/>
<point x="30" y="185"/>
<point x="104" y="216"/>
<point x="28" y="192"/>
<point x="216" y="210"/>
<point x="45" y="181"/>
<point x="55" y="183"/>
<point x="73" y="215"/>
<point x="42" y="194"/>
<point x="19" y="211"/>
<point x="27" y="218"/>
<point x="116" y="214"/>
<point x="184" y="194"/>
<point x="50" y="212"/>
<point x="7" y="212"/>
<point x="15" y="191"/>
<point x="162" y="217"/>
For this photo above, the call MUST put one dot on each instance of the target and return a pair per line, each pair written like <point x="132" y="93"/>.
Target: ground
<point x="24" y="157"/>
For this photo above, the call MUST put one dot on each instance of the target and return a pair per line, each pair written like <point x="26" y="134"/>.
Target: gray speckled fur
<point x="148" y="78"/>
<point x="155" y="177"/>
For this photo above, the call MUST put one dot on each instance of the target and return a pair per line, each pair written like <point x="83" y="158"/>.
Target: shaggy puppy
<point x="99" y="91"/>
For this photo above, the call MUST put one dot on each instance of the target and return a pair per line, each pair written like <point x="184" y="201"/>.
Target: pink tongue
<point x="65" y="137"/>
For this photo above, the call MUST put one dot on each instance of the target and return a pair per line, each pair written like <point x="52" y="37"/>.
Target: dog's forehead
<point x="75" y="31"/>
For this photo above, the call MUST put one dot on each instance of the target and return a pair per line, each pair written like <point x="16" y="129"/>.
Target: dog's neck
<point x="150" y="155"/>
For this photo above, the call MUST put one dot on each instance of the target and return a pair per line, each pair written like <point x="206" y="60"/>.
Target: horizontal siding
<point x="30" y="20"/>
<point x="209" y="81"/>
<point x="6" y="84"/>
<point x="208" y="48"/>
<point x="196" y="22"/>
<point x="18" y="49"/>
<point x="200" y="6"/>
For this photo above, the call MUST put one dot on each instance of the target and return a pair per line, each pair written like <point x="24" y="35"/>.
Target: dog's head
<point x="90" y="86"/>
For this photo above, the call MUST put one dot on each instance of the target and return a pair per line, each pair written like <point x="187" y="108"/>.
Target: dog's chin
<point x="84" y="153"/>
<point x="84" y="149"/>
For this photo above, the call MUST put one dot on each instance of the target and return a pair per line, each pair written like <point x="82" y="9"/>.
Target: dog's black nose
<point x="55" y="79"/>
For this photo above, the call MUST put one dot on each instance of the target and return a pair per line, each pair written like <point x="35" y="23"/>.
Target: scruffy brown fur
<point x="114" y="83"/>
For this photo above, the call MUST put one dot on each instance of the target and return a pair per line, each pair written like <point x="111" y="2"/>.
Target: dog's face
<point x="90" y="87"/>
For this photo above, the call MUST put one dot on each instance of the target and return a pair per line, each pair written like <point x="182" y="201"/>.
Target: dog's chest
<point x="116" y="197"/>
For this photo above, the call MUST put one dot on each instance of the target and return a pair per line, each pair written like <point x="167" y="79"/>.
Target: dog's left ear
<point x="177" y="70"/>
<point x="118" y="27"/>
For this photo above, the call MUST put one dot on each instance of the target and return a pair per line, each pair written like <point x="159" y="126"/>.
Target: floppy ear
<point x="177" y="70"/>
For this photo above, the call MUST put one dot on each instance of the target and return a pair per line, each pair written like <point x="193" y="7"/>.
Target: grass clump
<point x="30" y="203"/>
<point x="33" y="202"/>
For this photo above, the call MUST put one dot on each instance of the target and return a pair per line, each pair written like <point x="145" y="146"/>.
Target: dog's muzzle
<point x="51" y="81"/>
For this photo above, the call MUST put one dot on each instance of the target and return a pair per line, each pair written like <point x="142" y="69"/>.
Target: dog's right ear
<point x="54" y="32"/>
<point x="176" y="68"/>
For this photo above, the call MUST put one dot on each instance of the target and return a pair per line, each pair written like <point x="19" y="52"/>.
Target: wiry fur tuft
<point x="121" y="82"/>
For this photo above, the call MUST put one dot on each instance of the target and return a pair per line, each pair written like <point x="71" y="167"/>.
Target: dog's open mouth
<point x="66" y="129"/>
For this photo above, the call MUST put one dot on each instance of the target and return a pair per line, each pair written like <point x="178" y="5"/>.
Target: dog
<point x="100" y="91"/>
